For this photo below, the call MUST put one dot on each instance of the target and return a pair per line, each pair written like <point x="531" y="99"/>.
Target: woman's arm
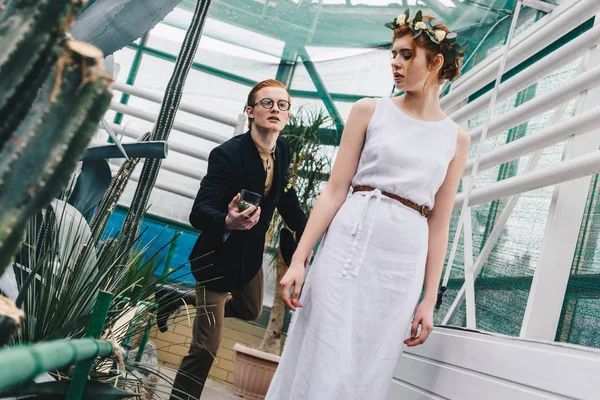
<point x="439" y="225"/>
<point x="332" y="197"/>
<point x="336" y="190"/>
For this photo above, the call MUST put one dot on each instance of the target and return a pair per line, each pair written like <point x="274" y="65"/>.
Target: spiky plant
<point x="166" y="117"/>
<point x="58" y="298"/>
<point x="53" y="93"/>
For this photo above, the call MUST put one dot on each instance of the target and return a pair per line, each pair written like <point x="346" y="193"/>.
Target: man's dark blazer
<point x="235" y="165"/>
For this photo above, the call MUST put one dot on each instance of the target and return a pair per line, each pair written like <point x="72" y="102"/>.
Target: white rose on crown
<point x="401" y="19"/>
<point x="420" y="25"/>
<point x="440" y="35"/>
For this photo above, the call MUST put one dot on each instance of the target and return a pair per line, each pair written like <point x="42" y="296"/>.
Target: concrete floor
<point x="212" y="391"/>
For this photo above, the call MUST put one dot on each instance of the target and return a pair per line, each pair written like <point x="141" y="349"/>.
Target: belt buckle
<point x="425" y="211"/>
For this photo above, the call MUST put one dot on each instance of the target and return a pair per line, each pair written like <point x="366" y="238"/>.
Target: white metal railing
<point x="543" y="33"/>
<point x="561" y="172"/>
<point x="509" y="206"/>
<point x="173" y="146"/>
<point x="540" y="104"/>
<point x="559" y="58"/>
<point x="237" y="122"/>
<point x="162" y="185"/>
<point x="584" y="122"/>
<point x="189" y="108"/>
<point x="554" y="133"/>
<point x="151" y="117"/>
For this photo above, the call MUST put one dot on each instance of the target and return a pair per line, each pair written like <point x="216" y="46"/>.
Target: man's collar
<point x="264" y="152"/>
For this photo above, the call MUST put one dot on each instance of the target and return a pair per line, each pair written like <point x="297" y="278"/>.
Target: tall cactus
<point x="165" y="120"/>
<point x="112" y="196"/>
<point x="29" y="33"/>
<point x="53" y="92"/>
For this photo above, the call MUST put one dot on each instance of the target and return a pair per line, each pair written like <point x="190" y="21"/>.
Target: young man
<point x="227" y="257"/>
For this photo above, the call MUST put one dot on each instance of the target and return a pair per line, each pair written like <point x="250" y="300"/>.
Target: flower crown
<point x="447" y="41"/>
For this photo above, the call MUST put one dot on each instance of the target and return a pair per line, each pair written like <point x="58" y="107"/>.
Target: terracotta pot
<point x="253" y="372"/>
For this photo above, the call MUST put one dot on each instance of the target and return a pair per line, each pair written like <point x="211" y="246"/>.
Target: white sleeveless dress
<point x="367" y="276"/>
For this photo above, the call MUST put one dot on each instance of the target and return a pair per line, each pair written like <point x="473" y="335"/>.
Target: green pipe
<point x="94" y="331"/>
<point x="242" y="80"/>
<point x="135" y="66"/>
<point x="198" y="66"/>
<point x="320" y="85"/>
<point x="22" y="364"/>
<point x="287" y="65"/>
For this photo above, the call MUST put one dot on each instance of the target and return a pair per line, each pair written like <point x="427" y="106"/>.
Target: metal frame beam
<point x="548" y="30"/>
<point x="135" y="66"/>
<point x="564" y="55"/>
<point x="287" y="66"/>
<point x="187" y="107"/>
<point x="546" y="298"/>
<point x="494" y="235"/>
<point x="321" y="89"/>
<point x="539" y="5"/>
<point x="197" y="66"/>
<point x="185" y="128"/>
<point x="465" y="214"/>
<point x="242" y="80"/>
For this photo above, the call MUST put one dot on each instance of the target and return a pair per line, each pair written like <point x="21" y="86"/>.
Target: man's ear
<point x="250" y="111"/>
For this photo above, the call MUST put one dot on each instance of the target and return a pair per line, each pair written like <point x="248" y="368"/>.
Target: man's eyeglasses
<point x="267" y="103"/>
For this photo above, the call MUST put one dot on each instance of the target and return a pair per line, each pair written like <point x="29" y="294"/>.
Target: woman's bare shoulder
<point x="363" y="110"/>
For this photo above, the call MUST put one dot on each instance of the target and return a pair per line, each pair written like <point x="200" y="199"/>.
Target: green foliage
<point x="311" y="162"/>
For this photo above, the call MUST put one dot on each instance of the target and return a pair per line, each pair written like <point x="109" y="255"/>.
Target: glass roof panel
<point x="337" y="23"/>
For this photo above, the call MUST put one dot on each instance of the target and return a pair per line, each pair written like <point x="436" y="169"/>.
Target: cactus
<point x="165" y="120"/>
<point x="53" y="92"/>
<point x="29" y="33"/>
<point x="112" y="195"/>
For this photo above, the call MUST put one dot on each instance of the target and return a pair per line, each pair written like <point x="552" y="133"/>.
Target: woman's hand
<point x="294" y="277"/>
<point x="424" y="318"/>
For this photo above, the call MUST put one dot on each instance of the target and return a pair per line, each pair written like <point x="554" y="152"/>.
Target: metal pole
<point x="583" y="82"/>
<point x="187" y="107"/>
<point x="22" y="364"/>
<point x="185" y="128"/>
<point x="546" y="31"/>
<point x="564" y="55"/>
<point x="95" y="329"/>
<point x="552" y="134"/>
<point x="470" y="181"/>
<point x="320" y="85"/>
<point x="498" y="227"/>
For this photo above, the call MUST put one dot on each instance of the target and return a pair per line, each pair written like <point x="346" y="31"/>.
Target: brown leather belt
<point x="423" y="210"/>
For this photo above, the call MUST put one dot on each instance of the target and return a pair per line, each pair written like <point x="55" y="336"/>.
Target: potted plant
<point x="311" y="162"/>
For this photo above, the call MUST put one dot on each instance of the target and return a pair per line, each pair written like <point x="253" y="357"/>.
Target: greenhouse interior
<point x="111" y="112"/>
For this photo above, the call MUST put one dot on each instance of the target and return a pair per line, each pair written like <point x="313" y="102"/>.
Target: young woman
<point x="404" y="158"/>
